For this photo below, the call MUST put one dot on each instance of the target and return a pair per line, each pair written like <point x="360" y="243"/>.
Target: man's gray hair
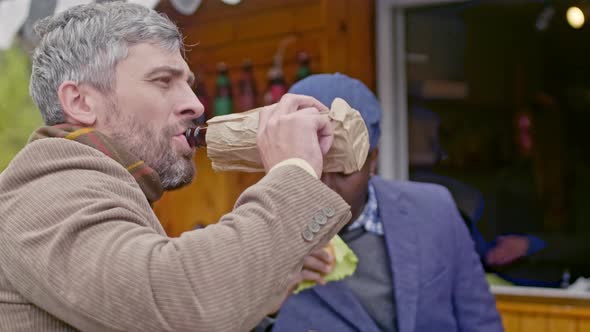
<point x="84" y="44"/>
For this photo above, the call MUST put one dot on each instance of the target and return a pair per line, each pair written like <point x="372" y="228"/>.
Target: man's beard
<point x="175" y="170"/>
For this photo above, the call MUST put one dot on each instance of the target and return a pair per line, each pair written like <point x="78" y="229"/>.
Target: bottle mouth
<point x="196" y="136"/>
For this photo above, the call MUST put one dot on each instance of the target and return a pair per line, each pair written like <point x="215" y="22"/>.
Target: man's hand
<point x="316" y="266"/>
<point x="294" y="128"/>
<point x="508" y="249"/>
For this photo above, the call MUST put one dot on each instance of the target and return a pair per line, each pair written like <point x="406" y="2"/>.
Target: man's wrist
<point x="296" y="162"/>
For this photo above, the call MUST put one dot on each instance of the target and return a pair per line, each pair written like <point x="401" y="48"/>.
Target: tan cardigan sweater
<point x="81" y="249"/>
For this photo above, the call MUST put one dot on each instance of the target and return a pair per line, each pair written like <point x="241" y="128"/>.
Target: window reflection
<point x="499" y="108"/>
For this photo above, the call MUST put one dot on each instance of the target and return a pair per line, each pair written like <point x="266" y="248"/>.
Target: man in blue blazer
<point x="417" y="271"/>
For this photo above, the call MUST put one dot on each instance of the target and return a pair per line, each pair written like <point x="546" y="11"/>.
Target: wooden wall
<point x="529" y="314"/>
<point x="337" y="34"/>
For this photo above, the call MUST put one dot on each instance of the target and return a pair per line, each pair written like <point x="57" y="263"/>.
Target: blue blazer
<point x="438" y="280"/>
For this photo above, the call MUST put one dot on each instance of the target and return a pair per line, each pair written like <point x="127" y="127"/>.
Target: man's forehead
<point x="148" y="57"/>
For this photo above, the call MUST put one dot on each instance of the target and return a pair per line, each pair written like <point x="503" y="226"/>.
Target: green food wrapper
<point x="345" y="265"/>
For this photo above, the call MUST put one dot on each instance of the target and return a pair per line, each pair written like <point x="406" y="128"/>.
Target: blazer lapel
<point x="341" y="299"/>
<point x="401" y="239"/>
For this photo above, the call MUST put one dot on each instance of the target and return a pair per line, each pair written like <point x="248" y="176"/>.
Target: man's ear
<point x="373" y="160"/>
<point x="79" y="103"/>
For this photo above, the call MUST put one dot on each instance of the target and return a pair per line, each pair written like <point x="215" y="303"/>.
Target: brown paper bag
<point x="231" y="141"/>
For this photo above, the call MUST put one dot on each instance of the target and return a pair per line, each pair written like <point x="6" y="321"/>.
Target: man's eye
<point x="163" y="80"/>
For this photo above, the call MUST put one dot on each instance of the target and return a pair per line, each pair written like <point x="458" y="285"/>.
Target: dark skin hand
<point x="508" y="249"/>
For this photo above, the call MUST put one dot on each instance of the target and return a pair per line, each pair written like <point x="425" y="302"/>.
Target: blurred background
<point x="490" y="98"/>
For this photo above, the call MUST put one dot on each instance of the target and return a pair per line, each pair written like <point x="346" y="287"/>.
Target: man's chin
<point x="181" y="178"/>
<point x="173" y="185"/>
<point x="185" y="152"/>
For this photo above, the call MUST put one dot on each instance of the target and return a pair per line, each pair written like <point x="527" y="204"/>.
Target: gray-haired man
<point x="81" y="249"/>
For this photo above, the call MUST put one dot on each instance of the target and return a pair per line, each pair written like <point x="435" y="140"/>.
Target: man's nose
<point x="191" y="107"/>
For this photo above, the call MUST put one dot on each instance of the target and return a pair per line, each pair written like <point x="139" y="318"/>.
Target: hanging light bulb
<point x="575" y="17"/>
<point x="186" y="7"/>
<point x="231" y="2"/>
